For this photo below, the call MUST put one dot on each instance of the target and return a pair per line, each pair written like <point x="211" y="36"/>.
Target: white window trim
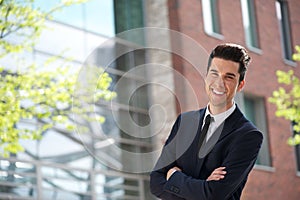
<point x="283" y="42"/>
<point x="207" y="20"/>
<point x="246" y="24"/>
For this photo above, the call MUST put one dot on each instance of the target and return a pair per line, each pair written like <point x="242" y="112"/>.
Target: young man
<point x="211" y="157"/>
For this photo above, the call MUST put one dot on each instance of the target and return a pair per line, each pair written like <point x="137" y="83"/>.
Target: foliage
<point x="287" y="99"/>
<point x="21" y="23"/>
<point x="35" y="93"/>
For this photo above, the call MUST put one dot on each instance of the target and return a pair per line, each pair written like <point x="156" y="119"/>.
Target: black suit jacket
<point x="235" y="145"/>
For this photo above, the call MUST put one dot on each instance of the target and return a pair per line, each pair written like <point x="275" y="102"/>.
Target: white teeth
<point x="218" y="92"/>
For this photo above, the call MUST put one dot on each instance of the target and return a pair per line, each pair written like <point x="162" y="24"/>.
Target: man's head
<point x="225" y="76"/>
<point x="232" y="52"/>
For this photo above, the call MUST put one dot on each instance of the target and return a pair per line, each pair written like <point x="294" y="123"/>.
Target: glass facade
<point x="94" y="16"/>
<point x="70" y="165"/>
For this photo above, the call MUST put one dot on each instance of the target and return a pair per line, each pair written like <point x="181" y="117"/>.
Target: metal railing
<point x="40" y="180"/>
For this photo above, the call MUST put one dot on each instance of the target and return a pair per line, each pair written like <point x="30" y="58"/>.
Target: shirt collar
<point x="219" y="118"/>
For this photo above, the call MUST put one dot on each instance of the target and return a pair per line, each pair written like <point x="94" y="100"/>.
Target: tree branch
<point x="2" y="35"/>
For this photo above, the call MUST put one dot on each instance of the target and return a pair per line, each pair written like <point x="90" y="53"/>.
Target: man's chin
<point x="220" y="106"/>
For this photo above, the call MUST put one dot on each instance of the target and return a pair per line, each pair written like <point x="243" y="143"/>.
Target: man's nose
<point x="220" y="81"/>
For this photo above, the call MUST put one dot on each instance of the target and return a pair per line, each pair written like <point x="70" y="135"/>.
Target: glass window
<point x="75" y="172"/>
<point x="284" y="27"/>
<point x="99" y="17"/>
<point x="297" y="152"/>
<point x="254" y="109"/>
<point x="211" y="18"/>
<point x="249" y="21"/>
<point x="95" y="15"/>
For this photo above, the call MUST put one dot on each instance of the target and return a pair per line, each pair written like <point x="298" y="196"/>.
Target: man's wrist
<point x="171" y="172"/>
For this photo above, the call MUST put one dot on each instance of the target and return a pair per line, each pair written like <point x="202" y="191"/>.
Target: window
<point x="75" y="28"/>
<point x="211" y="18"/>
<point x="254" y="109"/>
<point x="95" y="15"/>
<point x="297" y="152"/>
<point x="284" y="27"/>
<point x="250" y="26"/>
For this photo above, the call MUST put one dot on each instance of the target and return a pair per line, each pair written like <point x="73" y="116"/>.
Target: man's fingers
<point x="217" y="174"/>
<point x="215" y="177"/>
<point x="219" y="169"/>
<point x="177" y="168"/>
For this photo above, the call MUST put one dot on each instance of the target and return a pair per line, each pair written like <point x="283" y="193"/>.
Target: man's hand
<point x="217" y="174"/>
<point x="171" y="171"/>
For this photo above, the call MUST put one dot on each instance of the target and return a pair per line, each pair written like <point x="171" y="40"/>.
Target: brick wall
<point x="186" y="16"/>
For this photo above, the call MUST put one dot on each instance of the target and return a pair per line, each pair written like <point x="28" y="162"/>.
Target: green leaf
<point x="35" y="92"/>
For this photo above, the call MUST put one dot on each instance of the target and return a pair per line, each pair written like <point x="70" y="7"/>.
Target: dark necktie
<point x="204" y="130"/>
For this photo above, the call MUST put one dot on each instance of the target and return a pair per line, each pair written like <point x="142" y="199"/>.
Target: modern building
<point x="78" y="165"/>
<point x="157" y="73"/>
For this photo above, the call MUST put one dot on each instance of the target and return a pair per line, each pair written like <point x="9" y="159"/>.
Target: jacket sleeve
<point x="166" y="161"/>
<point x="239" y="161"/>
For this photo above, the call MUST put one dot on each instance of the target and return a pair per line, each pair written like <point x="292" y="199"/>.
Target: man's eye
<point x="229" y="77"/>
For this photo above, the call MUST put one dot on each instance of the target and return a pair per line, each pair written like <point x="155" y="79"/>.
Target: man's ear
<point x="241" y="85"/>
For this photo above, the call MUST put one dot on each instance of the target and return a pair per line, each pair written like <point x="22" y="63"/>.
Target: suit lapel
<point x="230" y="123"/>
<point x="188" y="131"/>
<point x="222" y="131"/>
<point x="200" y="161"/>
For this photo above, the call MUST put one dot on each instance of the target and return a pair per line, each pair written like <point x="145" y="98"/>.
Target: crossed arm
<point x="217" y="174"/>
<point x="171" y="182"/>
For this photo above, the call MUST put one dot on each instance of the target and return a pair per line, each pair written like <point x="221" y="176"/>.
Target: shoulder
<point x="245" y="126"/>
<point x="189" y="118"/>
<point x="188" y="122"/>
<point x="194" y="114"/>
<point x="249" y="130"/>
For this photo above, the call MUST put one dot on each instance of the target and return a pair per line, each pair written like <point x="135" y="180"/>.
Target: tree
<point x="287" y="99"/>
<point x="22" y="21"/>
<point x="34" y="92"/>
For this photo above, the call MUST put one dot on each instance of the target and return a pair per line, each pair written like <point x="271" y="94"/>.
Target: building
<point x="156" y="78"/>
<point x="75" y="165"/>
<point x="269" y="30"/>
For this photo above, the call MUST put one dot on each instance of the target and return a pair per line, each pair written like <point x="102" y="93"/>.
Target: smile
<point x="218" y="92"/>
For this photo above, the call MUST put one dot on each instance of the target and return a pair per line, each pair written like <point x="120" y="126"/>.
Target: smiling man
<point x="210" y="152"/>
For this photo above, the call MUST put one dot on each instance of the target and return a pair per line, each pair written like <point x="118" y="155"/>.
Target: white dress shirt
<point x="217" y="120"/>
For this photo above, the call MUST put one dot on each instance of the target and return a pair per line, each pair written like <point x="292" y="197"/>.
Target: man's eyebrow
<point x="230" y="74"/>
<point x="213" y="70"/>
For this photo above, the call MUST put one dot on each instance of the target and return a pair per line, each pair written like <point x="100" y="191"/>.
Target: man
<point x="216" y="166"/>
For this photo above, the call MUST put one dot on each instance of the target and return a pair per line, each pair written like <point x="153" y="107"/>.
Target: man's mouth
<point x="218" y="92"/>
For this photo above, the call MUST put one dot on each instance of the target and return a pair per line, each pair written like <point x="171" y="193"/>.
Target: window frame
<point x="297" y="151"/>
<point x="211" y="19"/>
<point x="283" y="18"/>
<point x="250" y="25"/>
<point x="261" y="123"/>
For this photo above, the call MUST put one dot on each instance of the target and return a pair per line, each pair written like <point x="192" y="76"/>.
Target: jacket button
<point x="174" y="189"/>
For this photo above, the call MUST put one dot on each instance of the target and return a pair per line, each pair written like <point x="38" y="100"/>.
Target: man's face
<point x="221" y="84"/>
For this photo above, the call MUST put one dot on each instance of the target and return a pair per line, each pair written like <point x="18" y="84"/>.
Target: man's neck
<point x="214" y="110"/>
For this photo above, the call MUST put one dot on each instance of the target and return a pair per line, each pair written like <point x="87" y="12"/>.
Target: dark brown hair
<point x="232" y="52"/>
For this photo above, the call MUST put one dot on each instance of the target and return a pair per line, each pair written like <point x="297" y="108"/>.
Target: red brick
<point x="186" y="17"/>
